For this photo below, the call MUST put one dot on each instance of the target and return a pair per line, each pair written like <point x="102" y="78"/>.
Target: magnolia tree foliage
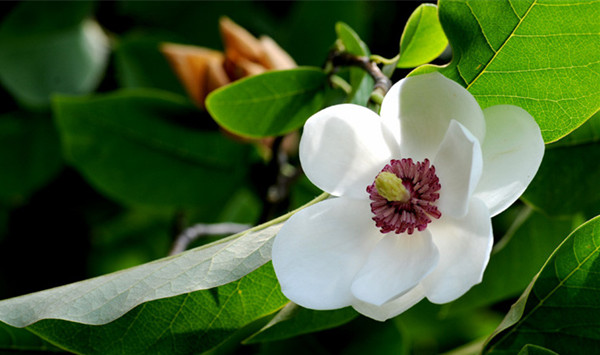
<point x="423" y="177"/>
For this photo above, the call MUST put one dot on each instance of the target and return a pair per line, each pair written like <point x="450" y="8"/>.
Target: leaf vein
<point x="503" y="44"/>
<point x="481" y="28"/>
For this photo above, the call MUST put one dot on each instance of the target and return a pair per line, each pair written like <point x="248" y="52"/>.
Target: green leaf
<point x="187" y="324"/>
<point x="567" y="181"/>
<point x="515" y="259"/>
<point x="560" y="310"/>
<point x="103" y="299"/>
<point x="270" y="104"/>
<point x="145" y="147"/>
<point x="539" y="55"/>
<point x="22" y="340"/>
<point x="29" y="154"/>
<point x="423" y="39"/>
<point x="361" y="82"/>
<point x="47" y="48"/>
<point x="294" y="320"/>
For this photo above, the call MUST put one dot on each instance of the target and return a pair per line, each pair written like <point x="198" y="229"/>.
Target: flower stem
<point x="382" y="82"/>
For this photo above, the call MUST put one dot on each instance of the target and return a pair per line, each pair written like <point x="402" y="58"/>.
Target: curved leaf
<point x="270" y="104"/>
<point x="560" y="310"/>
<point x="186" y="324"/>
<point x="541" y="55"/>
<point x="103" y="299"/>
<point x="423" y="39"/>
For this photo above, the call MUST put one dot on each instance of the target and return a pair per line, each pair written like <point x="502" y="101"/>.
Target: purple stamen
<point x="422" y="184"/>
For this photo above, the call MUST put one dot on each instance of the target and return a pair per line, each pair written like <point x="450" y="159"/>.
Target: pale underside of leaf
<point x="103" y="299"/>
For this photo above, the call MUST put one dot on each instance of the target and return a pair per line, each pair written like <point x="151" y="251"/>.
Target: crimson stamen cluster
<point x="422" y="184"/>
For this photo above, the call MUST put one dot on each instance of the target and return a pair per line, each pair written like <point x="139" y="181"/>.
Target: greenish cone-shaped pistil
<point x="391" y="188"/>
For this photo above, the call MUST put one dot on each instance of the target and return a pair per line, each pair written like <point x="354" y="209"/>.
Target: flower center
<point x="403" y="196"/>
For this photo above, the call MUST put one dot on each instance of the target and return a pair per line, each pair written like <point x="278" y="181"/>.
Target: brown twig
<point x="194" y="232"/>
<point x="382" y="82"/>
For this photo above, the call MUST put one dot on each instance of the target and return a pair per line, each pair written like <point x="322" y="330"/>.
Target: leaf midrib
<point x="503" y="44"/>
<point x="274" y="96"/>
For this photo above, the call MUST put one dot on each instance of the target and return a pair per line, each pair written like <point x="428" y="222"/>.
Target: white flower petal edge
<point x="458" y="165"/>
<point x="392" y="308"/>
<point x="465" y="245"/>
<point x="395" y="265"/>
<point x="425" y="105"/>
<point x="319" y="250"/>
<point x="512" y="154"/>
<point x="342" y="149"/>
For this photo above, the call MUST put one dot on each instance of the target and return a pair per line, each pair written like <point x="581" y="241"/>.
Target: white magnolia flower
<point x="413" y="195"/>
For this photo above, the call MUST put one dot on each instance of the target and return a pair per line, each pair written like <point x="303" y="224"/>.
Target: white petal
<point x="465" y="245"/>
<point x="458" y="165"/>
<point x="343" y="148"/>
<point x="319" y="250"/>
<point x="392" y="308"/>
<point x="396" y="264"/>
<point x="512" y="153"/>
<point x="425" y="105"/>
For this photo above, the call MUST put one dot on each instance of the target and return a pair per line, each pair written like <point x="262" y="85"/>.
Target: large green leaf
<point x="29" y="154"/>
<point x="188" y="324"/>
<point x="560" y="310"/>
<point x="106" y="298"/>
<point x="541" y="55"/>
<point x="51" y="47"/>
<point x="515" y="260"/>
<point x="423" y="39"/>
<point x="269" y="104"/>
<point x="142" y="146"/>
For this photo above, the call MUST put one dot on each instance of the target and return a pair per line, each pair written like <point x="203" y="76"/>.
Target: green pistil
<point x="390" y="187"/>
